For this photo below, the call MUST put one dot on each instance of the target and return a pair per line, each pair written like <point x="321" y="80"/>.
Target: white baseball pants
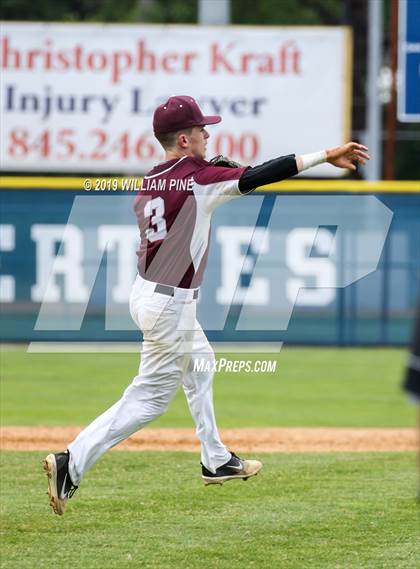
<point x="172" y="340"/>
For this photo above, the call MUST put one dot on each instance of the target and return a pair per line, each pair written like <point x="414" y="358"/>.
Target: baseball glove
<point x="224" y="162"/>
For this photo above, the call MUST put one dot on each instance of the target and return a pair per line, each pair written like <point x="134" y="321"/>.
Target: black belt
<point x="170" y="290"/>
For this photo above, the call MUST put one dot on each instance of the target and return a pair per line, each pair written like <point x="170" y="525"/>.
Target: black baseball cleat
<point x="235" y="468"/>
<point x="60" y="486"/>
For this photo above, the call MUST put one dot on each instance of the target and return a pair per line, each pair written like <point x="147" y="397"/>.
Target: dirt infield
<point x="319" y="439"/>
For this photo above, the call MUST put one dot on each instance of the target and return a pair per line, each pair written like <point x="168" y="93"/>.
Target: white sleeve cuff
<point x="306" y="161"/>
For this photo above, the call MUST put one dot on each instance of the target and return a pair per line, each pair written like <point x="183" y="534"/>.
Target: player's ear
<point x="183" y="140"/>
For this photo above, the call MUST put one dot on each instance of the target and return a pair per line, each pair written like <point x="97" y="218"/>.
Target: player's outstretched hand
<point x="344" y="156"/>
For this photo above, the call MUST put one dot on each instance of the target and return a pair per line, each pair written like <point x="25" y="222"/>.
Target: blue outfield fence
<point x="304" y="262"/>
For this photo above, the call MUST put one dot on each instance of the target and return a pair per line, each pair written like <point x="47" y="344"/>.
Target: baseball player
<point x="411" y="382"/>
<point x="174" y="210"/>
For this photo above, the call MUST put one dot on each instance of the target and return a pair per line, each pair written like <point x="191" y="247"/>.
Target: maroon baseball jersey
<point x="174" y="209"/>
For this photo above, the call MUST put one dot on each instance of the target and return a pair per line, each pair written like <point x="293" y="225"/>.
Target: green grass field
<point x="150" y="509"/>
<point x="311" y="387"/>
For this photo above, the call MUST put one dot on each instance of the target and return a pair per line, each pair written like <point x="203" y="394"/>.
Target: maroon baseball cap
<point x="180" y="112"/>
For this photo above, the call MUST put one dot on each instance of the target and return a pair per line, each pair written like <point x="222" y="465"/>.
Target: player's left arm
<point x="287" y="166"/>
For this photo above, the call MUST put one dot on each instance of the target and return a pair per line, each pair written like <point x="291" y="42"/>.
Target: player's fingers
<point x="360" y="159"/>
<point x="356" y="145"/>
<point x="348" y="164"/>
<point x="364" y="155"/>
<point x="359" y="156"/>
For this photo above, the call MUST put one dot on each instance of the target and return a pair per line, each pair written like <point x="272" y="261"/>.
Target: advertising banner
<point x="81" y="97"/>
<point x="409" y="61"/>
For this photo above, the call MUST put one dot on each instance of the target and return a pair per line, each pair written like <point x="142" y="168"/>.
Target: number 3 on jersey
<point x="155" y="209"/>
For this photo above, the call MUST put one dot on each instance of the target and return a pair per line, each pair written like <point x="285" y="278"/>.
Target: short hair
<point x="168" y="139"/>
